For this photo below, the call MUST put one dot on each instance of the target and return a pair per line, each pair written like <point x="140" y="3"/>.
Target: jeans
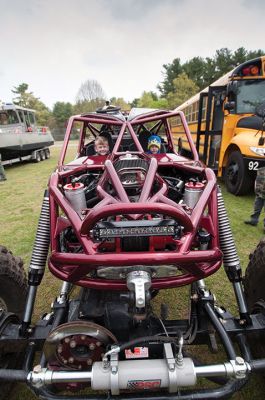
<point x="258" y="204"/>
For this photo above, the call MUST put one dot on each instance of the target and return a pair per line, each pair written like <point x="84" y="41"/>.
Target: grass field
<point x="20" y="204"/>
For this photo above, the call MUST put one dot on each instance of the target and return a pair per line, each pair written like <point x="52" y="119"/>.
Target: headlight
<point x="260" y="151"/>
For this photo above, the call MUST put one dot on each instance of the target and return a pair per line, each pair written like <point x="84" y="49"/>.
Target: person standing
<point x="259" y="202"/>
<point x="2" y="171"/>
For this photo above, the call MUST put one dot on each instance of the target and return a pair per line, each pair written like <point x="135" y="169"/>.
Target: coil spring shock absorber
<point x="230" y="259"/>
<point x="38" y="261"/>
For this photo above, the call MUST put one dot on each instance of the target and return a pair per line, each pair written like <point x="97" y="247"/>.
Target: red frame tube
<point x="74" y="267"/>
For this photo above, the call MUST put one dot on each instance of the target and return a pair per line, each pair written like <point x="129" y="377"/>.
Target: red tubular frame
<point x="195" y="264"/>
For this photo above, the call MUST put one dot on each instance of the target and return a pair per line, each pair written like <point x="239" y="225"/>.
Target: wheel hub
<point x="232" y="173"/>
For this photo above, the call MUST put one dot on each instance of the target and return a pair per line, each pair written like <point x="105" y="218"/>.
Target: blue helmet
<point x="154" y="140"/>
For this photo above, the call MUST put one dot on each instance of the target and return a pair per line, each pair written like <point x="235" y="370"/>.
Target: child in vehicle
<point x="101" y="146"/>
<point x="154" y="144"/>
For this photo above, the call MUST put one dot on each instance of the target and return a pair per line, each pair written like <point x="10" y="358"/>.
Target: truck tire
<point x="13" y="283"/>
<point x="38" y="157"/>
<point x="47" y="154"/>
<point x="42" y="155"/>
<point x="254" y="283"/>
<point x="237" y="178"/>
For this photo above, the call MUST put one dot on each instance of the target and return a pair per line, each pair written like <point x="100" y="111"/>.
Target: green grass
<point x="20" y="204"/>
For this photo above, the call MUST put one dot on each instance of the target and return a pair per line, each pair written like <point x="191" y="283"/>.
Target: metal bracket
<point x="171" y="363"/>
<point x="114" y="376"/>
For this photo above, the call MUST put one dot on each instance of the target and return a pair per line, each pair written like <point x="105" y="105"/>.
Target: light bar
<point x="122" y="229"/>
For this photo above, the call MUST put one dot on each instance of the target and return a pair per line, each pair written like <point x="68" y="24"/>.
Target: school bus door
<point x="210" y="125"/>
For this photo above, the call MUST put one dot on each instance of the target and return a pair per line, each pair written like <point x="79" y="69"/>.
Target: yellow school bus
<point x="227" y="120"/>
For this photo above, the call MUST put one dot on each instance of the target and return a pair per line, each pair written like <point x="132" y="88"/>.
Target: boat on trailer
<point x="20" y="137"/>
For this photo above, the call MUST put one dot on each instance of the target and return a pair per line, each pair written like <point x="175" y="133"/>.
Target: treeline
<point x="180" y="82"/>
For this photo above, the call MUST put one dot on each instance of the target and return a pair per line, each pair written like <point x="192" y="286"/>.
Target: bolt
<point x="114" y="370"/>
<point x="240" y="361"/>
<point x="37" y="369"/>
<point x="83" y="337"/>
<point x="98" y="344"/>
<point x="60" y="349"/>
<point x="67" y="340"/>
<point x="73" y="344"/>
<point x="89" y="361"/>
<point x="92" y="346"/>
<point x="71" y="360"/>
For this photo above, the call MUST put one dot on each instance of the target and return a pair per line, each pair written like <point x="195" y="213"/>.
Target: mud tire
<point x="254" y="283"/>
<point x="13" y="292"/>
<point x="13" y="283"/>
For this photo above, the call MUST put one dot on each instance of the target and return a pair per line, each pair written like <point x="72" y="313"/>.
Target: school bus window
<point x="204" y="102"/>
<point x="173" y="122"/>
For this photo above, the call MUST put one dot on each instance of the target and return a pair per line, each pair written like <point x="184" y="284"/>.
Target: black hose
<point x="244" y="348"/>
<point x="228" y="345"/>
<point x="13" y="375"/>
<point x="29" y="358"/>
<point x="147" y="339"/>
<point x="257" y="365"/>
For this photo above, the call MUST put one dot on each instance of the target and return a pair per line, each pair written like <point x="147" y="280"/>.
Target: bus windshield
<point x="250" y="93"/>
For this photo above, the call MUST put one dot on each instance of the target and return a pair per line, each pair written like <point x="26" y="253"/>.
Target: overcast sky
<point x="55" y="45"/>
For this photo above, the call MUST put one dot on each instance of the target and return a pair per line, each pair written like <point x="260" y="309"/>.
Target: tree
<point x="61" y="113"/>
<point x="120" y="102"/>
<point x="223" y="61"/>
<point x="171" y="72"/>
<point x="87" y="106"/>
<point x="240" y="55"/>
<point x="184" y="88"/>
<point x="195" y="70"/>
<point x="90" y="90"/>
<point x="24" y="98"/>
<point x="151" y="100"/>
<point x="205" y="71"/>
<point x="28" y="100"/>
<point x="254" y="54"/>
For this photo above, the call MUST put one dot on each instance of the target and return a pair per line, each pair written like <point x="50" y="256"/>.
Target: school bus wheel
<point x="237" y="178"/>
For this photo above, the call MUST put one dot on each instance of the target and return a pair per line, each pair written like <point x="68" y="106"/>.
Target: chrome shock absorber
<point x="230" y="259"/>
<point x="38" y="261"/>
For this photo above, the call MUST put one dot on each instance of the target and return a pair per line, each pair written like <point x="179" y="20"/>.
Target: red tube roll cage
<point x="75" y="267"/>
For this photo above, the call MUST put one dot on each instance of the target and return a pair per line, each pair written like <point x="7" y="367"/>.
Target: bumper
<point x="252" y="164"/>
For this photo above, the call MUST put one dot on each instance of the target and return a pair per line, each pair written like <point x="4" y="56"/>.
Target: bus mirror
<point x="230" y="105"/>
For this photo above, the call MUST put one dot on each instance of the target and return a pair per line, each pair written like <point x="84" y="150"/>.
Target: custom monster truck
<point x="122" y="227"/>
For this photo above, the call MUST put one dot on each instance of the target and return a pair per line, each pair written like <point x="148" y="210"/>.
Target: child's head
<point x="101" y="146"/>
<point x="154" y="144"/>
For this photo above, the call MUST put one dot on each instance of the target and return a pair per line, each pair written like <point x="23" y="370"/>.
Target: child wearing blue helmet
<point x="154" y="144"/>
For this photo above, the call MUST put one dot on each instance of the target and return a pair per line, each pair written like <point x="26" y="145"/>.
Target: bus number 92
<point x="253" y="165"/>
